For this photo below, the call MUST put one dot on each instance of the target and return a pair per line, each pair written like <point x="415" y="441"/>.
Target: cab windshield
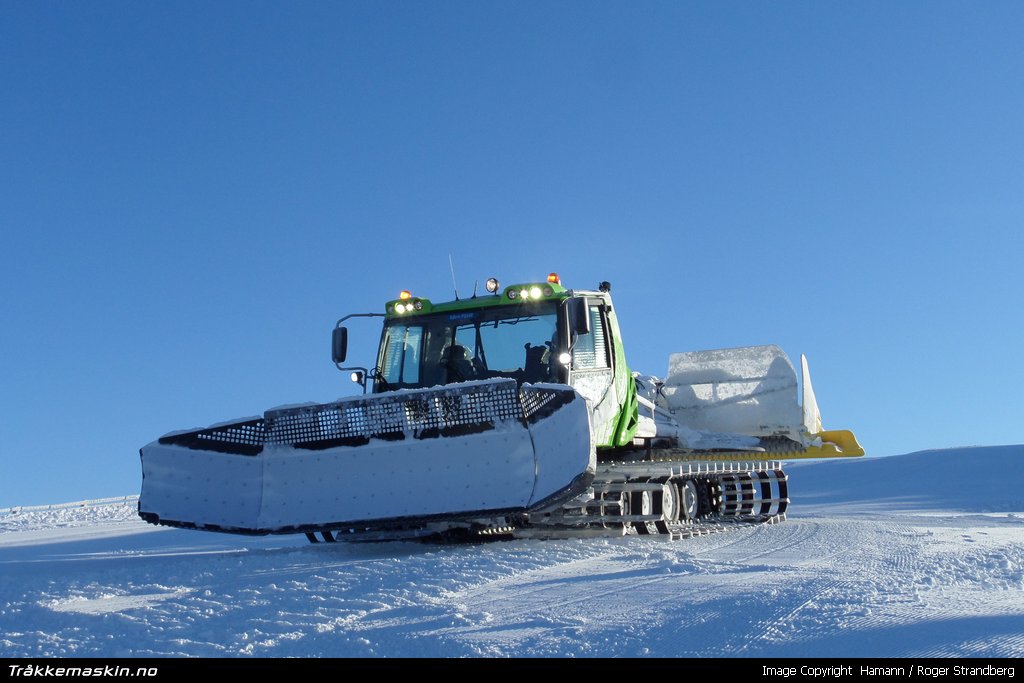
<point x="516" y="342"/>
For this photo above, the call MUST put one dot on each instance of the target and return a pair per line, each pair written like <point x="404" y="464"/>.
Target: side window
<point x="392" y="365"/>
<point x="591" y="350"/>
<point x="402" y="355"/>
<point x="411" y="355"/>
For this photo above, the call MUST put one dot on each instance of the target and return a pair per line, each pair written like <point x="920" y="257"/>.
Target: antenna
<point x="451" y="264"/>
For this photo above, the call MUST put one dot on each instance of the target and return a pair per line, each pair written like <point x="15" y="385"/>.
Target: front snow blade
<point x="369" y="462"/>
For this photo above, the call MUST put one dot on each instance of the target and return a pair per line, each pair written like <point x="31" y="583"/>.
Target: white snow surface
<point x="914" y="555"/>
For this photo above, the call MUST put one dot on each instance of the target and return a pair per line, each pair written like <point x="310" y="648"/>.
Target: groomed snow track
<point x="882" y="557"/>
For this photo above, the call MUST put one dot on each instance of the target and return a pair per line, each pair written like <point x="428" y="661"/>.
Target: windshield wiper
<point x="516" y="321"/>
<point x="378" y="376"/>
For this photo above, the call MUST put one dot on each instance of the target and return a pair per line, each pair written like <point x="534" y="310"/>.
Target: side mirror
<point x="339" y="344"/>
<point x="579" y="316"/>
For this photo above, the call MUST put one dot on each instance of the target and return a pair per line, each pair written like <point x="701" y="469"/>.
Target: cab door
<point x="592" y="369"/>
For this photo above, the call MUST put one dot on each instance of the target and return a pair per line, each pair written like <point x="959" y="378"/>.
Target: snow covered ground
<point x="914" y="555"/>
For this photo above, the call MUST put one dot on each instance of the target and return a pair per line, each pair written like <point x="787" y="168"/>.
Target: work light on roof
<point x="492" y="285"/>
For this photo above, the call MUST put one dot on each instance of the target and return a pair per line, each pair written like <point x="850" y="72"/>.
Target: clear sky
<point x="191" y="193"/>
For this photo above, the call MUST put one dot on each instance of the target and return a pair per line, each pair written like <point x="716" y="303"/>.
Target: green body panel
<point x="627" y="419"/>
<point x="558" y="293"/>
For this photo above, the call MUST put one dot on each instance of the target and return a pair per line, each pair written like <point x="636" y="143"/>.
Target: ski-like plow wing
<point x="445" y="453"/>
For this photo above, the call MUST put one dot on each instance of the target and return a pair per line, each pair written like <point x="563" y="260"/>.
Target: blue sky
<point x="192" y="193"/>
